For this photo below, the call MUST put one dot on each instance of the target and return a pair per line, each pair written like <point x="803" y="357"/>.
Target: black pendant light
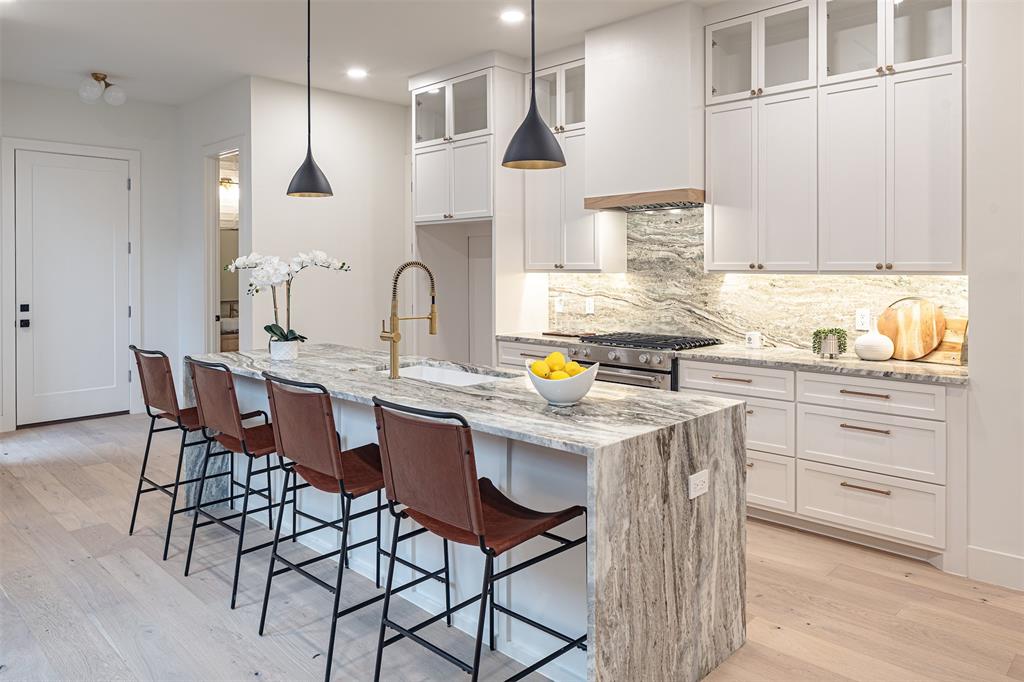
<point x="309" y="180"/>
<point x="534" y="146"/>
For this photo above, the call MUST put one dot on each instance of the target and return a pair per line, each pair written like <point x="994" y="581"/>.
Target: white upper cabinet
<point x="453" y="181"/>
<point x="561" y="92"/>
<point x="581" y="240"/>
<point x="432" y="199"/>
<point x="863" y="38"/>
<point x="760" y="54"/>
<point x="453" y="110"/>
<point x="730" y="217"/>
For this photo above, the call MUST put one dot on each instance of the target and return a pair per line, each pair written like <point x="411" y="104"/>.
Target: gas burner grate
<point x="650" y="341"/>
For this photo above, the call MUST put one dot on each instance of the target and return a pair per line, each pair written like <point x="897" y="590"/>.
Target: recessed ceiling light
<point x="512" y="16"/>
<point x="356" y="73"/>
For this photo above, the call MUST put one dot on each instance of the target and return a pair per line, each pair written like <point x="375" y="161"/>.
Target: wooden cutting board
<point x="915" y="325"/>
<point x="953" y="349"/>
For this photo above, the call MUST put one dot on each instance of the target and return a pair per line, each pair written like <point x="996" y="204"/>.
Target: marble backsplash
<point x="667" y="291"/>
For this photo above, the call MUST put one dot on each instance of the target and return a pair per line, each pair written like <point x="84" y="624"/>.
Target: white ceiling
<point x="174" y="52"/>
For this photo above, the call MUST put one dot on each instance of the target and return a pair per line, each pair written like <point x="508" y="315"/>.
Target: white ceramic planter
<point x="284" y="350"/>
<point x="874" y="345"/>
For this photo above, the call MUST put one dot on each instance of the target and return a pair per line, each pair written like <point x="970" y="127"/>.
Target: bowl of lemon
<point x="559" y="382"/>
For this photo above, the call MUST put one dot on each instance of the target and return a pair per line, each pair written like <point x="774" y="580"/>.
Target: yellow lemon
<point x="558" y="375"/>
<point x="573" y="368"/>
<point x="541" y="369"/>
<point x="556" y="361"/>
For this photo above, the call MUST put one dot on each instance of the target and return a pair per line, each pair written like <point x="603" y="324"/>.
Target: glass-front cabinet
<point x="863" y="38"/>
<point x="761" y="54"/>
<point x="561" y="93"/>
<point x="453" y="110"/>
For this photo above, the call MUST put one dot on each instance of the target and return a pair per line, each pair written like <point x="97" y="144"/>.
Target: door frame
<point x="8" y="147"/>
<point x="211" y="225"/>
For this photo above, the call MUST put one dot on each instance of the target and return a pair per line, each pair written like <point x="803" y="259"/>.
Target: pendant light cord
<point x="309" y="95"/>
<point x="533" y="52"/>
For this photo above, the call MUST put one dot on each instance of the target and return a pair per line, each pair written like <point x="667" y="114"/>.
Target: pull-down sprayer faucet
<point x="393" y="335"/>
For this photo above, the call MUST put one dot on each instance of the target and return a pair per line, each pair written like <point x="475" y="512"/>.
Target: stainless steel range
<point x="636" y="359"/>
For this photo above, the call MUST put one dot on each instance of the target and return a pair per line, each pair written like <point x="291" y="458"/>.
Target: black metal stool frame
<point x="485" y="597"/>
<point x="266" y="493"/>
<point x="442" y="575"/>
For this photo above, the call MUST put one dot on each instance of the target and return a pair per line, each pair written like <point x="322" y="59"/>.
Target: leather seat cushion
<point x="259" y="440"/>
<point x="362" y="472"/>
<point x="189" y="418"/>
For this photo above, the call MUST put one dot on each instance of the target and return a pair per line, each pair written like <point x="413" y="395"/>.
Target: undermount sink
<point x="449" y="376"/>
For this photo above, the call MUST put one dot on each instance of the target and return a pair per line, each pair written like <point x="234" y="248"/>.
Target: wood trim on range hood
<point x="643" y="201"/>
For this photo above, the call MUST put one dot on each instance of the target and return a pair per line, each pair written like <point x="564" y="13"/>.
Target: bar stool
<point x="430" y="468"/>
<point x="305" y="434"/>
<point x="221" y="420"/>
<point x="161" y="401"/>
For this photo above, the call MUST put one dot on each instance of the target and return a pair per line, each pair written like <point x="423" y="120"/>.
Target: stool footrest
<point x="540" y="626"/>
<point x="547" y="659"/>
<point x="405" y="632"/>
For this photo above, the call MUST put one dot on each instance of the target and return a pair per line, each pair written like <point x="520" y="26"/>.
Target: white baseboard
<point x="998" y="568"/>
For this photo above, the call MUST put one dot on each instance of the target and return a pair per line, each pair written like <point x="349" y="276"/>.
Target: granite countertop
<point x="508" y="407"/>
<point x="795" y="359"/>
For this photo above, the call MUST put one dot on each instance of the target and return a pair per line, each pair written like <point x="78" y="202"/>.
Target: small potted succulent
<point x="272" y="272"/>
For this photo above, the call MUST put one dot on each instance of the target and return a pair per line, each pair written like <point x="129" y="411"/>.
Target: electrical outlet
<point x="862" y="320"/>
<point x="698" y="484"/>
<point x="559" y="304"/>
<point x="588" y="305"/>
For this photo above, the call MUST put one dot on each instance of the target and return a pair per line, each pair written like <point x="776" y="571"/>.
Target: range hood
<point x="645" y="111"/>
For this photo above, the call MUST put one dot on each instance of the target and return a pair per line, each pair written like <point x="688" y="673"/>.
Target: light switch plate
<point x="698" y="484"/>
<point x="862" y="319"/>
<point x="588" y="305"/>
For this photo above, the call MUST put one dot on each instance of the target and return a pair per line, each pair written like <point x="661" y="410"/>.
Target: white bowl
<point x="564" y="392"/>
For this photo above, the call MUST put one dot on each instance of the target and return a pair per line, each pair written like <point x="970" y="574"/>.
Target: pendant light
<point x="309" y="180"/>
<point x="533" y="146"/>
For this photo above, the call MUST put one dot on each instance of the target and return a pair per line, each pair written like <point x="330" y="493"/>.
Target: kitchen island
<point x="660" y="589"/>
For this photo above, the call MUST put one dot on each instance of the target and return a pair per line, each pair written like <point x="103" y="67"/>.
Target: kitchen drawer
<point x="887" y="397"/>
<point x="755" y="382"/>
<point x="771" y="424"/>
<point x="513" y="354"/>
<point x="771" y="481"/>
<point x="873" y="503"/>
<point x="897" y="446"/>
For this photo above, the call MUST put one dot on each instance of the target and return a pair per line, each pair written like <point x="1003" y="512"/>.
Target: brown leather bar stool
<point x="221" y="420"/>
<point x="161" y="401"/>
<point x="305" y="434"/>
<point x="430" y="468"/>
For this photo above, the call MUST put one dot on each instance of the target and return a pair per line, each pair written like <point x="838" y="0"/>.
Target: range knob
<point x="643" y="358"/>
<point x="613" y="355"/>
<point x="573" y="351"/>
<point x="585" y="352"/>
<point x="656" y="359"/>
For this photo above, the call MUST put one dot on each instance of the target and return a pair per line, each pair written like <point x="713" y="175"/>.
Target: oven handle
<point x="624" y="375"/>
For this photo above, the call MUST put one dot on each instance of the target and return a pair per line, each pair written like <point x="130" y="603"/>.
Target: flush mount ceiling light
<point x="534" y="146"/>
<point x="512" y="16"/>
<point x="356" y="73"/>
<point x="309" y="180"/>
<point x="97" y="85"/>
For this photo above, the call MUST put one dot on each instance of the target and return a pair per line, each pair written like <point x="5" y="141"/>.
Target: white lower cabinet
<point x="453" y="181"/>
<point x="512" y="354"/>
<point x="771" y="481"/>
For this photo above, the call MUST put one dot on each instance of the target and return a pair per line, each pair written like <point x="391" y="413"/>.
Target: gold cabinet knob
<point x="878" y="266"/>
<point x="752" y="266"/>
<point x="888" y="266"/>
<point x="760" y="266"/>
<point x="760" y="91"/>
<point x="890" y="68"/>
<point x="753" y="92"/>
<point x="880" y="70"/>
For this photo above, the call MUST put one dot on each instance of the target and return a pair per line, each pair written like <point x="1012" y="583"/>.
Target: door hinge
<point x="129" y="376"/>
<point x="129" y="311"/>
<point x="129" y="184"/>
<point x="129" y="247"/>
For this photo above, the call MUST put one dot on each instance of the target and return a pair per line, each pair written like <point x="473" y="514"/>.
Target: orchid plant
<point x="273" y="272"/>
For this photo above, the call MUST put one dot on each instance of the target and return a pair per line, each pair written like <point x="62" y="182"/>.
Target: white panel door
<point x="787" y="187"/>
<point x="472" y="162"/>
<point x="730" y="230"/>
<point x="71" y="284"/>
<point x="543" y="215"/>
<point x="432" y="183"/>
<point x="581" y="248"/>
<point x="851" y="175"/>
<point x="924" y="166"/>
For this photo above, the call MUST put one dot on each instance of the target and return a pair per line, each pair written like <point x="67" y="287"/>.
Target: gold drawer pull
<point x="750" y="412"/>
<point x="884" y="432"/>
<point x="532" y="355"/>
<point x="883" y="396"/>
<point x="750" y="465"/>
<point x="742" y="381"/>
<point x="868" y="490"/>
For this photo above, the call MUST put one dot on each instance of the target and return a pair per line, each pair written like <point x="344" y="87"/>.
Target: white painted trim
<point x="211" y="223"/>
<point x="477" y="63"/>
<point x="998" y="568"/>
<point x="8" y="145"/>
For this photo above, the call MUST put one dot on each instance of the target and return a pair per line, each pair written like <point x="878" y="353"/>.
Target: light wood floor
<point x="79" y="599"/>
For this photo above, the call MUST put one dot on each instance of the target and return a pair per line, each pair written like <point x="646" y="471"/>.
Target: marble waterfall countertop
<point x="793" y="358"/>
<point x="507" y="407"/>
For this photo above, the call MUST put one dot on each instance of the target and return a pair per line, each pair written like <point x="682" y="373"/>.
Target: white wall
<point x="995" y="260"/>
<point x="41" y="113"/>
<point x="360" y="145"/>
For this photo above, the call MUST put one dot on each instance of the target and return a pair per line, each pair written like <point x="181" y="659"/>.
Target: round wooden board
<point x="915" y="325"/>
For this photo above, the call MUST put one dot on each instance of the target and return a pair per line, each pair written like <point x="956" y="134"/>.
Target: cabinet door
<point x="851" y="176"/>
<point x="924" y="167"/>
<point x="548" y="85"/>
<point x="573" y="97"/>
<point x="787" y="51"/>
<point x="922" y="33"/>
<point x="432" y="184"/>
<point x="543" y="218"/>
<point x="430" y="115"/>
<point x="730" y="225"/>
<point x="470" y="106"/>
<point x="471" y="178"/>
<point x="787" y="186"/>
<point x="851" y="39"/>
<point x="730" y="60"/>
<point x="581" y="248"/>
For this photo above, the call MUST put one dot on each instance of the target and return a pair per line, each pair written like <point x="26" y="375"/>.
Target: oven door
<point x="634" y="377"/>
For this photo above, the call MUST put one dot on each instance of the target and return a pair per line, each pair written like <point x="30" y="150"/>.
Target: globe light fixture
<point x="97" y="85"/>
